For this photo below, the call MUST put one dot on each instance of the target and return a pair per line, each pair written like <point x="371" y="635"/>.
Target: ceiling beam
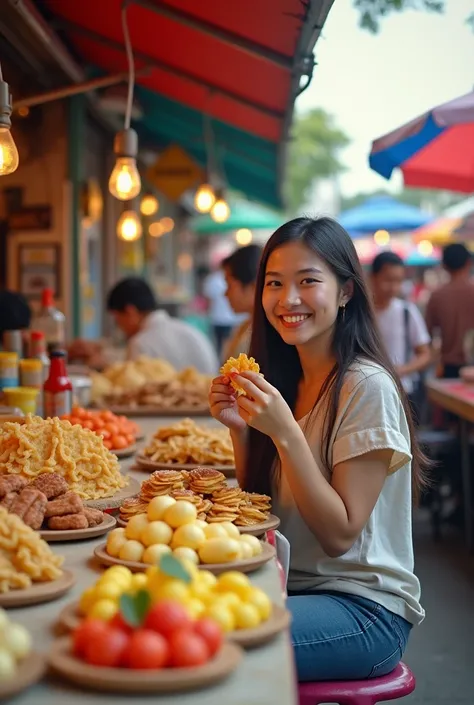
<point x="159" y="64"/>
<point x="212" y="30"/>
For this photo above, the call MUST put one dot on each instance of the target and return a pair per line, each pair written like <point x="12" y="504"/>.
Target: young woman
<point x="327" y="433"/>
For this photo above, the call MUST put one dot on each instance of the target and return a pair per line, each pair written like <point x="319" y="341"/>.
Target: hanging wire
<point x="131" y="66"/>
<point x="209" y="138"/>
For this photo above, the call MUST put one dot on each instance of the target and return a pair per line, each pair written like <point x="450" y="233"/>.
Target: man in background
<point x="15" y="313"/>
<point x="401" y="325"/>
<point x="221" y="316"/>
<point x="450" y="310"/>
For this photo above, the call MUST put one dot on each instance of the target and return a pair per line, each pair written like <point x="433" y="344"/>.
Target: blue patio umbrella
<point x="382" y="213"/>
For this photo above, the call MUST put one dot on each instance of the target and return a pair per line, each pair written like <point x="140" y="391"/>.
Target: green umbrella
<point x="243" y="214"/>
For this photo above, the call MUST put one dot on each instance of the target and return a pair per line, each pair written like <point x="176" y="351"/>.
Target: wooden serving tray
<point x="125" y="452"/>
<point x="91" y="532"/>
<point x="114" y="502"/>
<point x="38" y="592"/>
<point x="143" y="463"/>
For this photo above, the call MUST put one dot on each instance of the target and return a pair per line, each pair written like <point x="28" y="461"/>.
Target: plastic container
<point x="51" y="322"/>
<point x="8" y="370"/>
<point x="22" y="397"/>
<point x="58" y="387"/>
<point x="13" y="341"/>
<point x="31" y="375"/>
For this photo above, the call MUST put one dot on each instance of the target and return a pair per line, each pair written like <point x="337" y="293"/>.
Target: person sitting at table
<point x="15" y="313"/>
<point x="327" y="431"/>
<point x="150" y="332"/>
<point x="240" y="271"/>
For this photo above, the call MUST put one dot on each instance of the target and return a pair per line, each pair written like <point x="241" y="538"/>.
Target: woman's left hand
<point x="264" y="408"/>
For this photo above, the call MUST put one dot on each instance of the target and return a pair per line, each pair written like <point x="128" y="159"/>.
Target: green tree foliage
<point x="372" y="11"/>
<point x="313" y="154"/>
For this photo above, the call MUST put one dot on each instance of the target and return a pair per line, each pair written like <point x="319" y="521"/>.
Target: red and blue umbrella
<point x="436" y="150"/>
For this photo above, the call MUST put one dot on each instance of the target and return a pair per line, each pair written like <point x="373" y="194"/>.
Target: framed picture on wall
<point x="39" y="268"/>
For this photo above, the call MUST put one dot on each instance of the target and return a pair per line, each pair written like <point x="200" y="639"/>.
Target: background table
<point x="266" y="674"/>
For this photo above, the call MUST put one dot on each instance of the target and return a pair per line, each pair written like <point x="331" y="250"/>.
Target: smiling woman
<point x="327" y="432"/>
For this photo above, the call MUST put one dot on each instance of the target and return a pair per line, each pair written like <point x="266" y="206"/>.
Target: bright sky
<point x="372" y="84"/>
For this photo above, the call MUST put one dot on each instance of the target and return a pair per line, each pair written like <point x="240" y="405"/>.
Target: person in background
<point x="154" y="333"/>
<point x="240" y="270"/>
<point x="15" y="313"/>
<point x="450" y="309"/>
<point x="400" y="323"/>
<point x="221" y="316"/>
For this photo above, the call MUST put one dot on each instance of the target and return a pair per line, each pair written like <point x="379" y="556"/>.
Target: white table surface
<point x="266" y="674"/>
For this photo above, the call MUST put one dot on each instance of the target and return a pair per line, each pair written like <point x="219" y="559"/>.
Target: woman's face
<point x="301" y="295"/>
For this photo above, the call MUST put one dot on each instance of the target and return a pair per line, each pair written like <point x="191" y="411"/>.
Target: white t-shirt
<point x="379" y="566"/>
<point x="220" y="311"/>
<point x="173" y="340"/>
<point x="391" y="323"/>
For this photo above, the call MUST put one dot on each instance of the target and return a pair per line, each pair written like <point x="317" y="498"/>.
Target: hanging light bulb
<point x="124" y="182"/>
<point x="204" y="198"/>
<point x="129" y="227"/>
<point x="243" y="236"/>
<point x="8" y="151"/>
<point x="220" y="211"/>
<point x="149" y="205"/>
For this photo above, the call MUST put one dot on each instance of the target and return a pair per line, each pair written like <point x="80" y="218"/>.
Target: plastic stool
<point x="395" y="685"/>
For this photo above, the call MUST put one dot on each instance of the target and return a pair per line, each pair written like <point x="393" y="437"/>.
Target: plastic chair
<point x="397" y="684"/>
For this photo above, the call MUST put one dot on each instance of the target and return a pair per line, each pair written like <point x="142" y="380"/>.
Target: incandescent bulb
<point x="149" y="205"/>
<point x="220" y="211"/>
<point x="382" y="238"/>
<point x="129" y="227"/>
<point x="124" y="182"/>
<point x="8" y="152"/>
<point x="204" y="198"/>
<point x="243" y="236"/>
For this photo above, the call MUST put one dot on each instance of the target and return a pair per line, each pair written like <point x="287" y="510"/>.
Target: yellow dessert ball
<point x="246" y="616"/>
<point x="207" y="578"/>
<point x="219" y="550"/>
<point x="180" y="513"/>
<point x="172" y="589"/>
<point x="114" y="544"/>
<point x="259" y="599"/>
<point x="229" y="599"/>
<point x="118" y="570"/>
<point x="194" y="607"/>
<point x="7" y="665"/>
<point x="139" y="581"/>
<point x="202" y="524"/>
<point x="103" y="609"/>
<point x="222" y="615"/>
<point x="131" y="551"/>
<point x="135" y="526"/>
<point x="156" y="532"/>
<point x="253" y="542"/>
<point x="231" y="529"/>
<point x="189" y="536"/>
<point x="108" y="590"/>
<point x="186" y="555"/>
<point x="215" y="531"/>
<point x="16" y="639"/>
<point x="86" y="600"/>
<point x="233" y="581"/>
<point x="153" y="554"/>
<point x="245" y="550"/>
<point x="158" y="506"/>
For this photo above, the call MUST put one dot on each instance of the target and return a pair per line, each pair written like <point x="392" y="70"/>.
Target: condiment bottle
<point x="8" y="370"/>
<point x="58" y="387"/>
<point x="13" y="342"/>
<point x="31" y="375"/>
<point x="38" y="351"/>
<point x="52" y="322"/>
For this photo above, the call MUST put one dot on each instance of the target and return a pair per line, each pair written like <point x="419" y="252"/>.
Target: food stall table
<point x="265" y="675"/>
<point x="458" y="398"/>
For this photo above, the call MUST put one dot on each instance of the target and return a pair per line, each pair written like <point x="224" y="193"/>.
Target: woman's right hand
<point x="223" y="405"/>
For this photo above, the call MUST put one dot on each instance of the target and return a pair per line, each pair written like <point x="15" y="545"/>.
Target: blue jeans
<point x="337" y="636"/>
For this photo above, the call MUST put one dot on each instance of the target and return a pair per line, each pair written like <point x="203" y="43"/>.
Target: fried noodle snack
<point x="24" y="557"/>
<point x="187" y="443"/>
<point x="52" y="446"/>
<point x="243" y="363"/>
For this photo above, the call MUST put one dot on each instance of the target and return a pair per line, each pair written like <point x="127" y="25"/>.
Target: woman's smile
<point x="294" y="320"/>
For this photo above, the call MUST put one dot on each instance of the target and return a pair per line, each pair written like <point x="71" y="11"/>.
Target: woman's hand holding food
<point x="263" y="407"/>
<point x="223" y="405"/>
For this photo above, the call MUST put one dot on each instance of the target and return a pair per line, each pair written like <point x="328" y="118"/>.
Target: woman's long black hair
<point x="355" y="336"/>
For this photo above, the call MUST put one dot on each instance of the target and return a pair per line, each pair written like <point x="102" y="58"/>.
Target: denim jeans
<point x="337" y="636"/>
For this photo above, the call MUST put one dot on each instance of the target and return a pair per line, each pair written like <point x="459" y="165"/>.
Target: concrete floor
<point x="441" y="650"/>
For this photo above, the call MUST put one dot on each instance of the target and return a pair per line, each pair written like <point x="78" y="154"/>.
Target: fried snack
<point x="219" y="512"/>
<point x="132" y="506"/>
<point x="30" y="506"/>
<point x="188" y="495"/>
<point x="69" y="503"/>
<point x="51" y="484"/>
<point x="249" y="515"/>
<point x="94" y="516"/>
<point x="259" y="501"/>
<point x="75" y="453"/>
<point x="24" y="557"/>
<point x="205" y="480"/>
<point x="161" y="482"/>
<point x="187" y="443"/>
<point x="8" y="500"/>
<point x="68" y="522"/>
<point x="12" y="483"/>
<point x="233" y="366"/>
<point x="229" y="497"/>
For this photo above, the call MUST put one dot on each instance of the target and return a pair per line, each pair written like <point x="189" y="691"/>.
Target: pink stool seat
<point x="395" y="685"/>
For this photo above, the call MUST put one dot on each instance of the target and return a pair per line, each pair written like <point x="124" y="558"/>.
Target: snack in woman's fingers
<point x="233" y="366"/>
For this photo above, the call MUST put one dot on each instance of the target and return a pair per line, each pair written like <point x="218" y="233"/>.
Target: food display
<point x="47" y="502"/>
<point x="24" y="557"/>
<point x="207" y="490"/>
<point x="233" y="366"/>
<point x="78" y="455"/>
<point x="15" y="646"/>
<point x="118" y="432"/>
<point x="172" y="526"/>
<point x="148" y="382"/>
<point x="188" y="443"/>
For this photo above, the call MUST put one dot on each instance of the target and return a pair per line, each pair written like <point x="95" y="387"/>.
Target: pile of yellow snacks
<point x="188" y="443"/>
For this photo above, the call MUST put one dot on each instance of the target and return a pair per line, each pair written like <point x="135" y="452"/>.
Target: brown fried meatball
<point x="51" y="484"/>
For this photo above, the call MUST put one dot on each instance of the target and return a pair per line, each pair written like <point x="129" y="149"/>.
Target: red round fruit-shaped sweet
<point x="167" y="617"/>
<point x="188" y="649"/>
<point x="85" y="633"/>
<point x="107" y="648"/>
<point x="146" y="649"/>
<point x="119" y="622"/>
<point x="211" y="632"/>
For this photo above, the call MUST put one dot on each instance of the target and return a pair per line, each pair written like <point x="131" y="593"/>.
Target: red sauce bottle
<point x="58" y="387"/>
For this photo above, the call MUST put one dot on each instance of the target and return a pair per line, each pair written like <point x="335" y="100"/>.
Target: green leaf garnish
<point x="142" y="604"/>
<point x="174" y="568"/>
<point x="128" y="610"/>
